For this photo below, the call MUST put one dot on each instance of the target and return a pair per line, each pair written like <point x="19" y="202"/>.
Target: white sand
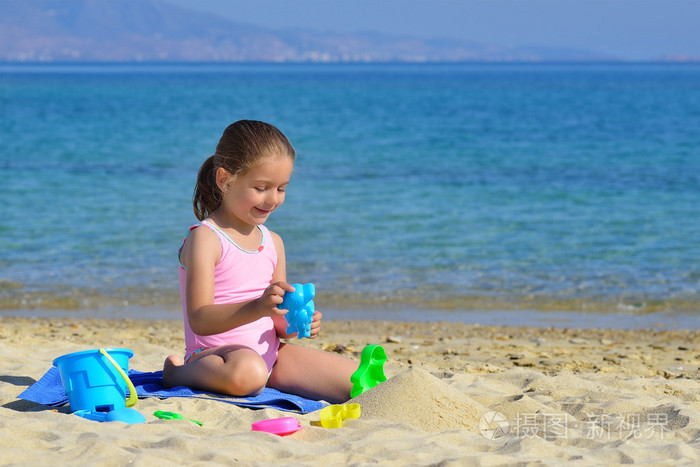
<point x="457" y="395"/>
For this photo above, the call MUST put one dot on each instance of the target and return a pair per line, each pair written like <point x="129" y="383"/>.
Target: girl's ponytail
<point x="207" y="196"/>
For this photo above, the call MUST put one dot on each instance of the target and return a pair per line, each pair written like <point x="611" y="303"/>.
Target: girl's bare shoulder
<point x="276" y="239"/>
<point x="202" y="242"/>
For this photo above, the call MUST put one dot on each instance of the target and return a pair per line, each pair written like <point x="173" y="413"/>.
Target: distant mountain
<point x="155" y="31"/>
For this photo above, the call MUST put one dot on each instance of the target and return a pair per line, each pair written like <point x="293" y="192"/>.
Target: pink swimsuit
<point x="239" y="276"/>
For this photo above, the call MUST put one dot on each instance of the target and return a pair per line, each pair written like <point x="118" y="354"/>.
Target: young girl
<point x="233" y="276"/>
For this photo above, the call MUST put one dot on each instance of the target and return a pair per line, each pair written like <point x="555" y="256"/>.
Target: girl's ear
<point x="223" y="179"/>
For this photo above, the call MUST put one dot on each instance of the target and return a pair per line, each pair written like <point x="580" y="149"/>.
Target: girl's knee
<point x="248" y="377"/>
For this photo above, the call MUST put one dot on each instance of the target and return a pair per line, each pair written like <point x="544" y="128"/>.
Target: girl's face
<point x="252" y="196"/>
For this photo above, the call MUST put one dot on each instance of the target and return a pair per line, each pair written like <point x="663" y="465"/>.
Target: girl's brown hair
<point x="241" y="146"/>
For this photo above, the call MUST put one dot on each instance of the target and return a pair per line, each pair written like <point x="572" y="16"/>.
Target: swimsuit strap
<point x="215" y="229"/>
<point x="258" y="250"/>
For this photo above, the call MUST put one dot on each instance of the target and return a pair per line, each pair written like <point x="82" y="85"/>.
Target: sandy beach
<point x="457" y="394"/>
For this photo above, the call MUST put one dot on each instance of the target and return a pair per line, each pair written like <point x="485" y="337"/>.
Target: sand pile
<point x="417" y="398"/>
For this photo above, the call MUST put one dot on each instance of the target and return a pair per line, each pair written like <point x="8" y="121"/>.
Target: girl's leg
<point x="312" y="373"/>
<point x="233" y="370"/>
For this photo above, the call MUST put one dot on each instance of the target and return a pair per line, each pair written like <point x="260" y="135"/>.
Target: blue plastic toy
<point x="96" y="382"/>
<point x="301" y="309"/>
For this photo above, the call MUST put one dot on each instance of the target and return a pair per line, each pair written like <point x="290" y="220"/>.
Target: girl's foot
<point x="169" y="367"/>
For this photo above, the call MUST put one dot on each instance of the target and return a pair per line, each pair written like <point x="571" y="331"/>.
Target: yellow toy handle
<point x="131" y="401"/>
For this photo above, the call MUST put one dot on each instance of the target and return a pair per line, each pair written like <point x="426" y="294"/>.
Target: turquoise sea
<point x="545" y="194"/>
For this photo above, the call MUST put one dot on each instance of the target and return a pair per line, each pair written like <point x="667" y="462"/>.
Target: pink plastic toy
<point x="278" y="426"/>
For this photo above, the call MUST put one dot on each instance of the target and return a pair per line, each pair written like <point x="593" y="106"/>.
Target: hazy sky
<point x="628" y="29"/>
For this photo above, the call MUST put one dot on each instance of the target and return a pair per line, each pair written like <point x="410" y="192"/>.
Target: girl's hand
<point x="315" y="325"/>
<point x="273" y="296"/>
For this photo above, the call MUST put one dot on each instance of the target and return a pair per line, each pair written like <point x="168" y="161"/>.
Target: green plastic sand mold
<point x="371" y="370"/>
<point x="173" y="416"/>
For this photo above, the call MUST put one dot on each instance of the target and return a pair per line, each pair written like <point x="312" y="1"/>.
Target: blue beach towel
<point x="49" y="391"/>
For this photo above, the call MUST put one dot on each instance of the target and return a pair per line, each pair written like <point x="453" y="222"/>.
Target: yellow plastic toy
<point x="333" y="415"/>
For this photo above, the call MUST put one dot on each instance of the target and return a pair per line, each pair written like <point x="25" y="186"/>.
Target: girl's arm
<point x="280" y="275"/>
<point x="200" y="254"/>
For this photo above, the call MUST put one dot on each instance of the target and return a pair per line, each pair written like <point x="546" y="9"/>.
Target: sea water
<point x="452" y="191"/>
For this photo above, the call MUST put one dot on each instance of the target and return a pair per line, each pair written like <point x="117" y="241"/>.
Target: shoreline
<point x="622" y="320"/>
<point x="17" y="299"/>
<point x="557" y="390"/>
